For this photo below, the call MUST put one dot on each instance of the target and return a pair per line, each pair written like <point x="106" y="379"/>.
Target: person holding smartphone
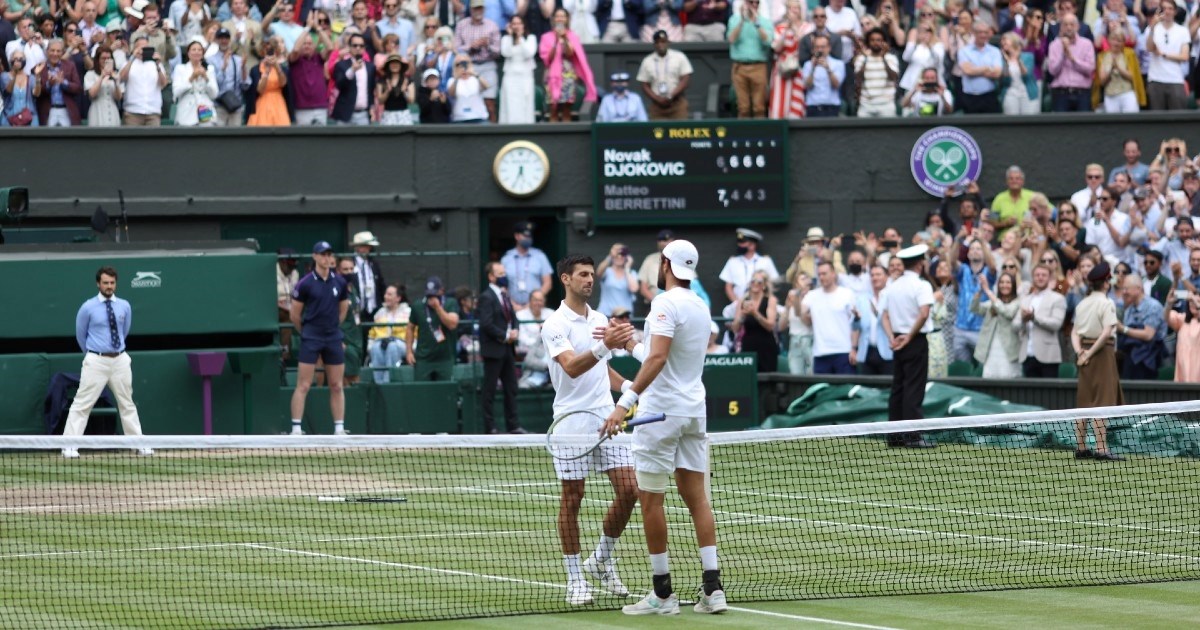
<point x="103" y="89"/>
<point x="1167" y="45"/>
<point x="143" y="78"/>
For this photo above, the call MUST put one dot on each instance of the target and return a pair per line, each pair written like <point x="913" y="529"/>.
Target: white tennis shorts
<point x="603" y="459"/>
<point x="677" y="442"/>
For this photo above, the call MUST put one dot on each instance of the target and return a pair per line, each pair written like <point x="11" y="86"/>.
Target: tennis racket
<point x="571" y="446"/>
<point x="362" y="500"/>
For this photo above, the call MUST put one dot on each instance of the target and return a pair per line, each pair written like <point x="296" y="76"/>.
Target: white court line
<point x="902" y="530"/>
<point x="35" y="508"/>
<point x="291" y="542"/>
<point x="832" y="622"/>
<point x="901" y="506"/>
<point x="500" y="578"/>
<point x="402" y="565"/>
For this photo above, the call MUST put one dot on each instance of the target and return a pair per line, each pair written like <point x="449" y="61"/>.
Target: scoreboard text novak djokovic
<point x="690" y="172"/>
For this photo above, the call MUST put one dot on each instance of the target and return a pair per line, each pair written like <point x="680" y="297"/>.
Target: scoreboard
<point x="690" y="172"/>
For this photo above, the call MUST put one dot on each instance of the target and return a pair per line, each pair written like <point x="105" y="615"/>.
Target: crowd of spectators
<point x="399" y="62"/>
<point x="1007" y="273"/>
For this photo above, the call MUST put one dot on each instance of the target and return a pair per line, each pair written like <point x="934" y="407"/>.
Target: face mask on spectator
<point x="854" y="268"/>
<point x="619" y="88"/>
<point x="502" y="281"/>
<point x="742" y="249"/>
<point x="525" y="243"/>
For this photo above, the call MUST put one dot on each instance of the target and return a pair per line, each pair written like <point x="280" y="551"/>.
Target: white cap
<point x="912" y="253"/>
<point x="683" y="257"/>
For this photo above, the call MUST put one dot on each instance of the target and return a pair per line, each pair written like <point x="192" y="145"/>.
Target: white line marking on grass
<point x="902" y="530"/>
<point x="403" y="565"/>
<point x="36" y="508"/>
<point x="832" y="622"/>
<point x="901" y="506"/>
<point x="286" y="542"/>
<point x="500" y="578"/>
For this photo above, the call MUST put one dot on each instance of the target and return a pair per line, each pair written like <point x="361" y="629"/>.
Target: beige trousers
<point x="97" y="372"/>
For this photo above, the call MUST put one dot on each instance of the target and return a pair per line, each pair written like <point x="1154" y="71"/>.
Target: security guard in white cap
<point x="905" y="319"/>
<point x="739" y="269"/>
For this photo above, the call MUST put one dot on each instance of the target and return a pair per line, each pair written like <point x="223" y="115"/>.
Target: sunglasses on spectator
<point x="1050" y="261"/>
<point x="71" y="30"/>
<point x="462" y="64"/>
<point x="356" y="45"/>
<point x="1094" y="176"/>
<point x="1010" y="267"/>
<point x="1035" y="16"/>
<point x="431" y="26"/>
<point x="1105" y="198"/>
<point x="323" y="22"/>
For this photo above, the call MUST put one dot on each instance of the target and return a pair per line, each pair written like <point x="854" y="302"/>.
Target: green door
<point x="549" y="235"/>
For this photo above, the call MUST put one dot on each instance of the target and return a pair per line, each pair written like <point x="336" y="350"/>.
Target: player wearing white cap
<point x="669" y="382"/>
<point x="582" y="380"/>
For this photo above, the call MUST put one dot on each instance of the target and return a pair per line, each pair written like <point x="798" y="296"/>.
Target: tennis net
<point x="235" y="532"/>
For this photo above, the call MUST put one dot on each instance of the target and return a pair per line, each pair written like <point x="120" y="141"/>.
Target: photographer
<point x="466" y="91"/>
<point x="823" y="76"/>
<point x="29" y="42"/>
<point x="142" y="80"/>
<point x="1184" y="320"/>
<point x="352" y="74"/>
<point x="266" y="104"/>
<point x="929" y="97"/>
<point x="750" y="37"/>
<point x="431" y="340"/>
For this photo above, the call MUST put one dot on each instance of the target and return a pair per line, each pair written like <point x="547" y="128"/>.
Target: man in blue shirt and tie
<point x="101" y="328"/>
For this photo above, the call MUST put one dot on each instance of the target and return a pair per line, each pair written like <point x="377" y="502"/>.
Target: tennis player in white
<point x="582" y="381"/>
<point x="668" y="382"/>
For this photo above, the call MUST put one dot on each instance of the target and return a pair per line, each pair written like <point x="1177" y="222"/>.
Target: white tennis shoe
<point x="711" y="604"/>
<point x="606" y="574"/>
<point x="652" y="605"/>
<point x="70" y="453"/>
<point x="146" y="452"/>
<point x="579" y="593"/>
<point x="341" y="432"/>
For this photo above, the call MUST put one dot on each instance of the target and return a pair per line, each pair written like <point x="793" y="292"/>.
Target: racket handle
<point x="654" y="417"/>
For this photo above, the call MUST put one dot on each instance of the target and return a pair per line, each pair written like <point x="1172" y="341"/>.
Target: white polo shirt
<point x="738" y="269"/>
<point x="143" y="96"/>
<point x="1098" y="234"/>
<point x="678" y="389"/>
<point x="905" y="297"/>
<point x="566" y="330"/>
<point x="832" y="314"/>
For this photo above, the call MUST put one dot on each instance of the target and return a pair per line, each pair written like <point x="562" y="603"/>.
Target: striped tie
<point x="112" y="326"/>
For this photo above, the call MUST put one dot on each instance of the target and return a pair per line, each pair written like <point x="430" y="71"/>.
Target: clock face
<point x="521" y="170"/>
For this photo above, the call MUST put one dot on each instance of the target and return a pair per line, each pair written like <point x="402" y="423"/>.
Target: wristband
<point x="625" y="386"/>
<point x="600" y="351"/>
<point x="639" y="352"/>
<point x="628" y="399"/>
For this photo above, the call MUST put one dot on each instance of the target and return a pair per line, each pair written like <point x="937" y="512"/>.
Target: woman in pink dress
<point x="1187" y="341"/>
<point x="787" y="86"/>
<point x="566" y="65"/>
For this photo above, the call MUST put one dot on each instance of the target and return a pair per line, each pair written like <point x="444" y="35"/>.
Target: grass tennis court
<point x="238" y="539"/>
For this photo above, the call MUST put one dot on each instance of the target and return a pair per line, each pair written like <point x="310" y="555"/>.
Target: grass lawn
<point x="809" y="531"/>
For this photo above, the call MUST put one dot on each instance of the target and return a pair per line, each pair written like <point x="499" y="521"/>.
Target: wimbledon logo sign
<point x="944" y="157"/>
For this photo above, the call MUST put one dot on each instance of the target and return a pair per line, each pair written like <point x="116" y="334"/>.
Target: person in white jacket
<point x="519" y="50"/>
<point x="194" y="86"/>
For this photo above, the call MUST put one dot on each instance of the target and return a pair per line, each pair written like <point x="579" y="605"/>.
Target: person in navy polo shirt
<point x="319" y="303"/>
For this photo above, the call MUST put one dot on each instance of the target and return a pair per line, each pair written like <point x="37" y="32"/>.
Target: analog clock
<point x="521" y="169"/>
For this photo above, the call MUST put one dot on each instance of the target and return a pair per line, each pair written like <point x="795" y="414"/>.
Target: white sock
<point x="571" y="562"/>
<point x="659" y="565"/>
<point x="295" y="426"/>
<point x="708" y="558"/>
<point x="339" y="425"/>
<point x="605" y="548"/>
